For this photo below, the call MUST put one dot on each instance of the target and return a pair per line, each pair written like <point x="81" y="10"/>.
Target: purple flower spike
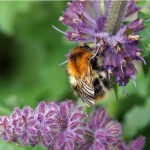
<point x="62" y="127"/>
<point x="137" y="144"/>
<point x="57" y="126"/>
<point x="103" y="133"/>
<point x="87" y="21"/>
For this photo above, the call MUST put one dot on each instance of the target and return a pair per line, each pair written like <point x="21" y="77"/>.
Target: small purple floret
<point x="102" y="133"/>
<point x="131" y="8"/>
<point x="137" y="144"/>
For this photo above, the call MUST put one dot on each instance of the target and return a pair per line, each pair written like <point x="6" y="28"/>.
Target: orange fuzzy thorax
<point x="78" y="63"/>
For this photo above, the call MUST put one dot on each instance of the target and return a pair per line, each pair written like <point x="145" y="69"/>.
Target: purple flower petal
<point x="131" y="8"/>
<point x="24" y="139"/>
<point x="100" y="117"/>
<point x="138" y="144"/>
<point x="98" y="146"/>
<point x="59" y="141"/>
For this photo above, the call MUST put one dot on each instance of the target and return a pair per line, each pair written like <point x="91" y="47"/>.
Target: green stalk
<point x="115" y="16"/>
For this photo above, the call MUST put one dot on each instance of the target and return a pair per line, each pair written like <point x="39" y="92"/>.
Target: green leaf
<point x="143" y="5"/>
<point x="136" y="119"/>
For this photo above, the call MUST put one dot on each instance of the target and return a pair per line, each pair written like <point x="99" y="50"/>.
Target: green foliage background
<point x="30" y="52"/>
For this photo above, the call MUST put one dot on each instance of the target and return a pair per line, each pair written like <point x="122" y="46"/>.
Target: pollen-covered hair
<point x="78" y="61"/>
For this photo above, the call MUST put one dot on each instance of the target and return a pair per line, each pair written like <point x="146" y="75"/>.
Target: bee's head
<point x="76" y="57"/>
<point x="79" y="55"/>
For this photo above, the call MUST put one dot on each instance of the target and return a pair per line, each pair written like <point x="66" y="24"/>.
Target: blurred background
<point x="30" y="52"/>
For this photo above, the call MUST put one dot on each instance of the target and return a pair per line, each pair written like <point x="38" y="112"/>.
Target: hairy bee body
<point x="87" y="76"/>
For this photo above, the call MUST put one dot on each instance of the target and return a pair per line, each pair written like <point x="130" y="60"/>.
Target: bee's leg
<point x="98" y="89"/>
<point x="93" y="62"/>
<point x="107" y="83"/>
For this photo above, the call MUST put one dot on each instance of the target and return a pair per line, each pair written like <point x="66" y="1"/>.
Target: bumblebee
<point x="86" y="74"/>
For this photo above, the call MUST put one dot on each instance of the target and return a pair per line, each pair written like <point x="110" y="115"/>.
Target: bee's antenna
<point x="134" y="80"/>
<point x="58" y="30"/>
<point x="63" y="63"/>
<point x="143" y="60"/>
<point x="95" y="53"/>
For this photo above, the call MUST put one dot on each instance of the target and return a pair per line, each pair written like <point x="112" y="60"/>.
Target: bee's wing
<point x="86" y="92"/>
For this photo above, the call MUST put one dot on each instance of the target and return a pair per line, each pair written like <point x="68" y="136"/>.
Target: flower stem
<point x="115" y="16"/>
